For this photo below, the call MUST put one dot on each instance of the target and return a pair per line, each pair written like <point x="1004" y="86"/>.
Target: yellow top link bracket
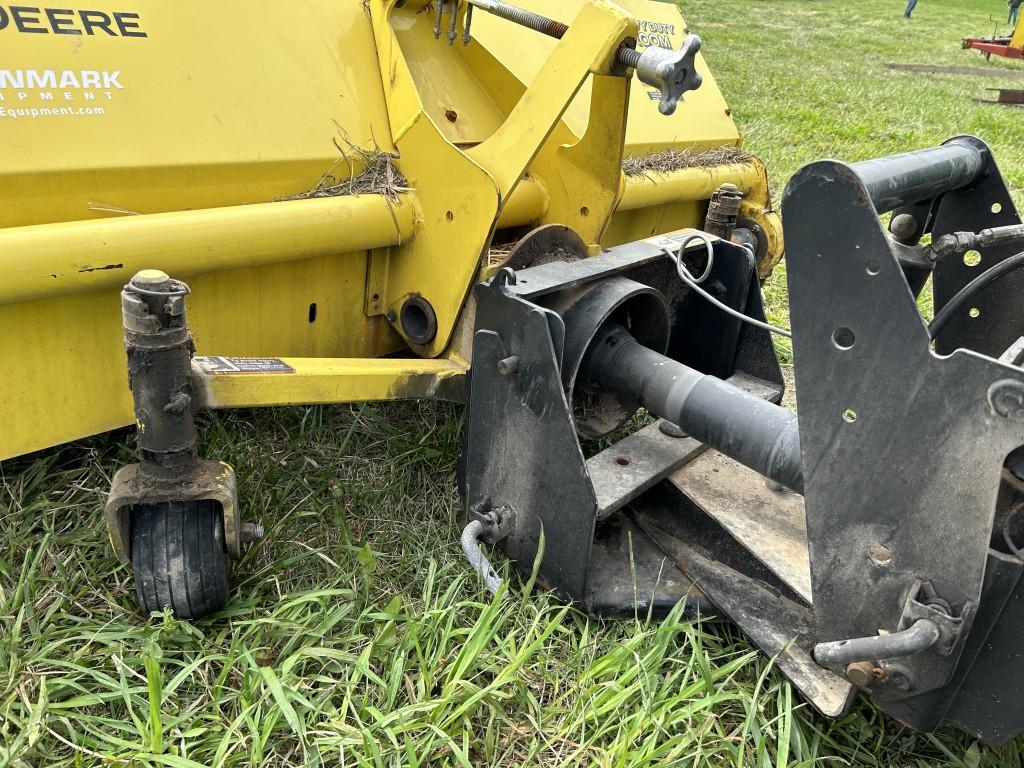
<point x="672" y="72"/>
<point x="462" y="188"/>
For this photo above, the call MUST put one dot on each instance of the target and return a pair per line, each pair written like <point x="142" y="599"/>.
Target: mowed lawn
<point x="356" y="634"/>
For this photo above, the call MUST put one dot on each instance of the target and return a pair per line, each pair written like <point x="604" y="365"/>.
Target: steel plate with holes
<point x="903" y="449"/>
<point x="634" y="464"/>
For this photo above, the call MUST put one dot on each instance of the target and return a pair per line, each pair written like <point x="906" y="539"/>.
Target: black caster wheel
<point x="179" y="558"/>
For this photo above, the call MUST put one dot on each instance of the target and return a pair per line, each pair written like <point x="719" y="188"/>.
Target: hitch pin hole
<point x="843" y="338"/>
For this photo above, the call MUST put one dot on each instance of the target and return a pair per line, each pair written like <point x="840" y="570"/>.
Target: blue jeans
<point x="910" y="8"/>
<point x="1014" y="14"/>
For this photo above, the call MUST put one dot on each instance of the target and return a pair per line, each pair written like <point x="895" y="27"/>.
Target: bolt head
<point x="150" y="277"/>
<point x="900" y="677"/>
<point x="1006" y="397"/>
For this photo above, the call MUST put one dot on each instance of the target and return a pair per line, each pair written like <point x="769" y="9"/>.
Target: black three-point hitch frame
<point x="871" y="542"/>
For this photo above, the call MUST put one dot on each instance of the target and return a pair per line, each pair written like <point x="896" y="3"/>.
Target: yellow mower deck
<point x="166" y="136"/>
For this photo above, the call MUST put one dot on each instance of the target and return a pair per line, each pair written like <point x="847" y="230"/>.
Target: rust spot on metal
<point x="846" y="173"/>
<point x="556" y="29"/>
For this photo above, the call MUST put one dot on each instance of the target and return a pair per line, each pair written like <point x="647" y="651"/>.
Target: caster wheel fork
<point x="173" y="516"/>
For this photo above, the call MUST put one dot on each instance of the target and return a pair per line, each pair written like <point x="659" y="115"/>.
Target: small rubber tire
<point x="179" y="558"/>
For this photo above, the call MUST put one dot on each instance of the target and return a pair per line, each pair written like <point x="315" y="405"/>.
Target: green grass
<point x="807" y="79"/>
<point x="356" y="634"/>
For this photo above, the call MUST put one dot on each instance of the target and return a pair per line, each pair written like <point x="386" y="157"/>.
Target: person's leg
<point x="910" y="8"/>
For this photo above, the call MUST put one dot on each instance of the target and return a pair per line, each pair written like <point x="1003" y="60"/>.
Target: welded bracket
<point x="902" y="449"/>
<point x="923" y="604"/>
<point x="523" y="454"/>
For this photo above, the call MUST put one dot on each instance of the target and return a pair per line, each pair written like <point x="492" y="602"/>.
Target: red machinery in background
<point x="1012" y="47"/>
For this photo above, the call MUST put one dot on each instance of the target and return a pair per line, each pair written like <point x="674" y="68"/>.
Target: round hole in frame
<point x="584" y="211"/>
<point x="843" y="338"/>
<point x="873" y="267"/>
<point x="622" y="461"/>
<point x="450" y="216"/>
<point x="418" y="320"/>
<point x="973" y="313"/>
<point x="996" y="208"/>
<point x="849" y="416"/>
<point x="972" y="258"/>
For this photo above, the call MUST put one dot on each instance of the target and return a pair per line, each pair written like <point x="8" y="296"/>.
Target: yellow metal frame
<point x="515" y="130"/>
<point x="322" y="381"/>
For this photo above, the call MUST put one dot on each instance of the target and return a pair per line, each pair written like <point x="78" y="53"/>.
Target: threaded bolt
<point x="251" y="532"/>
<point x="629" y="57"/>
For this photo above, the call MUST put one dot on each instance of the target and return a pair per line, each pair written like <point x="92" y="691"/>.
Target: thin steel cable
<point x="694" y="283"/>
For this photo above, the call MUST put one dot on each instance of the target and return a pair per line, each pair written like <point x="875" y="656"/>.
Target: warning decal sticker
<point x="235" y="365"/>
<point x="672" y="240"/>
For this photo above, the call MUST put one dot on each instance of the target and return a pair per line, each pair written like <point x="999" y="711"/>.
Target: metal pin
<point x="452" y="32"/>
<point x="438" y="19"/>
<point x="469" y="23"/>
<point x="508" y="366"/>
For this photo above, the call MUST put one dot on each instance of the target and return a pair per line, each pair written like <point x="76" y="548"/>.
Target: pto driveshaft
<point x="758" y="434"/>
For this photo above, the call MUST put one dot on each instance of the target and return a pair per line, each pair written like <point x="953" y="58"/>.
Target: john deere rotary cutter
<point x="400" y="199"/>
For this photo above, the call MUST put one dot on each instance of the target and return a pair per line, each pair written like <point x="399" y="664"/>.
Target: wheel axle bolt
<point x="251" y="532"/>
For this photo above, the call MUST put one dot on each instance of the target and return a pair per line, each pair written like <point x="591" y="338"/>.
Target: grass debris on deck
<point x="669" y="160"/>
